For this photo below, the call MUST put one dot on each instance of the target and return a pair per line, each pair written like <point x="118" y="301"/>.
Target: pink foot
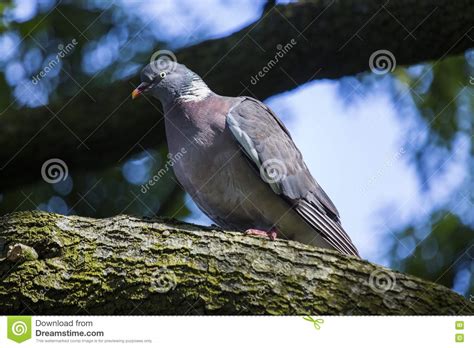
<point x="272" y="234"/>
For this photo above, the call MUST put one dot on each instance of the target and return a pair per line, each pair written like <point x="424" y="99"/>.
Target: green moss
<point x="213" y="271"/>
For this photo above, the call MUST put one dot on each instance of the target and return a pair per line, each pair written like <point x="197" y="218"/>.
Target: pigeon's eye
<point x="162" y="74"/>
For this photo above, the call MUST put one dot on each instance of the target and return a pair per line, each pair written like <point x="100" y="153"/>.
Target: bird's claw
<point x="272" y="234"/>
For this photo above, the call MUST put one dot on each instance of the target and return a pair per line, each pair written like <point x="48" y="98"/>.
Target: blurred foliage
<point x="106" y="42"/>
<point x="435" y="100"/>
<point x="443" y="95"/>
<point x="441" y="250"/>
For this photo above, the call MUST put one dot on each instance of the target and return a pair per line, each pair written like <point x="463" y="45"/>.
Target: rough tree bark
<point x="333" y="39"/>
<point x="53" y="264"/>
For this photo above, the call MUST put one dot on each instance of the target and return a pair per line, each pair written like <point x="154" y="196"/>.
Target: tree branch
<point x="332" y="39"/>
<point x="54" y="264"/>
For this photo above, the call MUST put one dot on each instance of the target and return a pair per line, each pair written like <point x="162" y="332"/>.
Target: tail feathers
<point x="331" y="231"/>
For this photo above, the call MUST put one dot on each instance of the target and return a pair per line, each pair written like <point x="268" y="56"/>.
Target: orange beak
<point x="136" y="92"/>
<point x="140" y="89"/>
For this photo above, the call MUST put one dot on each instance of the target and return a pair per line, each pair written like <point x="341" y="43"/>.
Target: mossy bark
<point x="333" y="39"/>
<point x="54" y="264"/>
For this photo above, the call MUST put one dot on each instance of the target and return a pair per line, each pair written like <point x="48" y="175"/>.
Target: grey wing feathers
<point x="331" y="230"/>
<point x="265" y="140"/>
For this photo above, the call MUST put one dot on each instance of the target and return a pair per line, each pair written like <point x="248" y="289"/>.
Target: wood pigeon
<point x="239" y="163"/>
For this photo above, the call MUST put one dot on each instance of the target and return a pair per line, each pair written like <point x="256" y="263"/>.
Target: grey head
<point x="169" y="81"/>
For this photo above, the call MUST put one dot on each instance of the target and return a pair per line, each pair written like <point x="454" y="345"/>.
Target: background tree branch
<point x="333" y="39"/>
<point x="55" y="264"/>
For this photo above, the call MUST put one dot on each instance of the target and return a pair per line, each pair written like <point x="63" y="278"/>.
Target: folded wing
<point x="270" y="149"/>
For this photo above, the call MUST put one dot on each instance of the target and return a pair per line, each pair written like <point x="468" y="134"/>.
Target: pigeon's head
<point x="168" y="81"/>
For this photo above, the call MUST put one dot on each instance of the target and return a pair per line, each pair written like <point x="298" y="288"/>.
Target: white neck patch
<point x="196" y="91"/>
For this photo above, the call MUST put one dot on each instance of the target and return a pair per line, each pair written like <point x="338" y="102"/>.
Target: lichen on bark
<point x="127" y="265"/>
